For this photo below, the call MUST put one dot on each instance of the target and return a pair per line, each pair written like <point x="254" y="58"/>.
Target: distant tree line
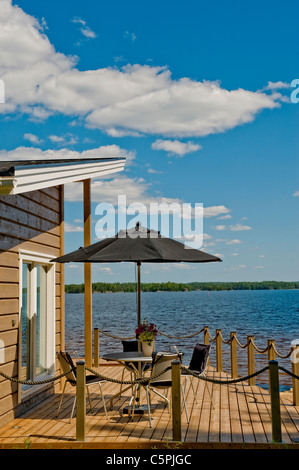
<point x="102" y="287"/>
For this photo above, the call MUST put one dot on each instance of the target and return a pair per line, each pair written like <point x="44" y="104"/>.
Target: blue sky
<point x="195" y="94"/>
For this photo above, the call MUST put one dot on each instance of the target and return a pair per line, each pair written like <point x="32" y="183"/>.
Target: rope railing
<point x="181" y="337"/>
<point x="176" y="368"/>
<point x="233" y="341"/>
<point x="37" y="382"/>
<point x="242" y="346"/>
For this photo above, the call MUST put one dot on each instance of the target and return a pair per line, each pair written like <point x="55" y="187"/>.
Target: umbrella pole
<point x="138" y="306"/>
<point x="138" y="294"/>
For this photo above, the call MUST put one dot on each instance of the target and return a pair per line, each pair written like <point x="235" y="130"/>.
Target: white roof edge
<point x="34" y="177"/>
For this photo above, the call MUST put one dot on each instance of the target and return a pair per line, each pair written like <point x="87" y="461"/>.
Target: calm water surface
<point x="267" y="314"/>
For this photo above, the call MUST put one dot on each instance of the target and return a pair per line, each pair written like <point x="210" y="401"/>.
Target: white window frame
<point x="35" y="259"/>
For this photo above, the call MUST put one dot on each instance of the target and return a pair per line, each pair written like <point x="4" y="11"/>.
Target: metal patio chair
<point x="67" y="364"/>
<point x="198" y="365"/>
<point x="161" y="361"/>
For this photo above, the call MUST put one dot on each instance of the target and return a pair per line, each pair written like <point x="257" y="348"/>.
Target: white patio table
<point x="128" y="359"/>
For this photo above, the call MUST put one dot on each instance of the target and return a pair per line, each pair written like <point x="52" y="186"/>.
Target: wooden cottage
<point x="32" y="286"/>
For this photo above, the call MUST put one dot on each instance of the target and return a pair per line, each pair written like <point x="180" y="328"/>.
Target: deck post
<point x="251" y="359"/>
<point x="275" y="401"/>
<point x="62" y="271"/>
<point x="206" y="339"/>
<point x="233" y="355"/>
<point x="81" y="401"/>
<point x="206" y="336"/>
<point x="271" y="354"/>
<point x="96" y="347"/>
<point x="176" y="401"/>
<point x="62" y="276"/>
<point x="295" y="371"/>
<point x="87" y="274"/>
<point x="219" y="351"/>
<point x="271" y="350"/>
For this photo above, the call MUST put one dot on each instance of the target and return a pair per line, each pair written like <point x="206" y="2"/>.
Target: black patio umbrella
<point x="138" y="245"/>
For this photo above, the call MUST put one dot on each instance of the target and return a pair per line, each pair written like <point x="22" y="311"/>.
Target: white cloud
<point x="296" y="194"/>
<point x="233" y="228"/>
<point x="153" y="171"/>
<point x="56" y="138"/>
<point x="134" y="98"/>
<point x="239" y="227"/>
<point x="33" y="153"/>
<point x="73" y="228"/>
<point x="67" y="139"/>
<point x="129" y="35"/>
<point x="175" y="147"/>
<point x="84" y="29"/>
<point x="214" y="211"/>
<point x="224" y="217"/>
<point x="233" y="242"/>
<point x="276" y="85"/>
<point x="122" y="133"/>
<point x="33" y="138"/>
<point x="104" y="269"/>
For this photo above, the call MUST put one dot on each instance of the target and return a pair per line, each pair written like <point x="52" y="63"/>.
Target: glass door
<point x="37" y="320"/>
<point x="25" y="342"/>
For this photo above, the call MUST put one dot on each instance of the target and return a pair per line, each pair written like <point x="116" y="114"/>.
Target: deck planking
<point x="238" y="414"/>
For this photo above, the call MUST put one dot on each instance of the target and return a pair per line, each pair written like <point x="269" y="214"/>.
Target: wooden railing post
<point x="275" y="401"/>
<point x="96" y="347"/>
<point x="251" y="359"/>
<point x="87" y="273"/>
<point x="206" y="339"/>
<point x="218" y="351"/>
<point x="271" y="354"/>
<point x="295" y="371"/>
<point x="233" y="355"/>
<point x="206" y="336"/>
<point x="271" y="350"/>
<point x="176" y="401"/>
<point x="81" y="401"/>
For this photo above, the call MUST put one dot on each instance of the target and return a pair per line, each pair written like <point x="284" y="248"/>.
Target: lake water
<point x="267" y="314"/>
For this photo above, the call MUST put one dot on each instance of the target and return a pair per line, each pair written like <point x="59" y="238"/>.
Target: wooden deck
<point x="239" y="416"/>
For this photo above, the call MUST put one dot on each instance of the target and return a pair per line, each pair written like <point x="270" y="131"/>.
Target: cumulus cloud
<point x="175" y="147"/>
<point x="213" y="211"/>
<point x="33" y="153"/>
<point x="276" y="85"/>
<point x="32" y="138"/>
<point x="296" y="194"/>
<point x="136" y="98"/>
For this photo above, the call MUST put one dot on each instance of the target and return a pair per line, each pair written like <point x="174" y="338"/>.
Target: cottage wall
<point x="30" y="221"/>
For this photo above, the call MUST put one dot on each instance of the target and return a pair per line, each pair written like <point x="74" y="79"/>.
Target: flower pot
<point x="148" y="349"/>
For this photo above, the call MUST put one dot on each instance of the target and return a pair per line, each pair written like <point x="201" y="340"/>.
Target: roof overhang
<point x="18" y="177"/>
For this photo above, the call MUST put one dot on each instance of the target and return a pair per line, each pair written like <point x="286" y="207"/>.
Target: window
<point x="37" y="317"/>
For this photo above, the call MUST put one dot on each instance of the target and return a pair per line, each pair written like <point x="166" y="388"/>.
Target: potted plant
<point x="146" y="333"/>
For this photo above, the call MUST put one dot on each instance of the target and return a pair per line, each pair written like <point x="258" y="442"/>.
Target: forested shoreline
<point x="103" y="287"/>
